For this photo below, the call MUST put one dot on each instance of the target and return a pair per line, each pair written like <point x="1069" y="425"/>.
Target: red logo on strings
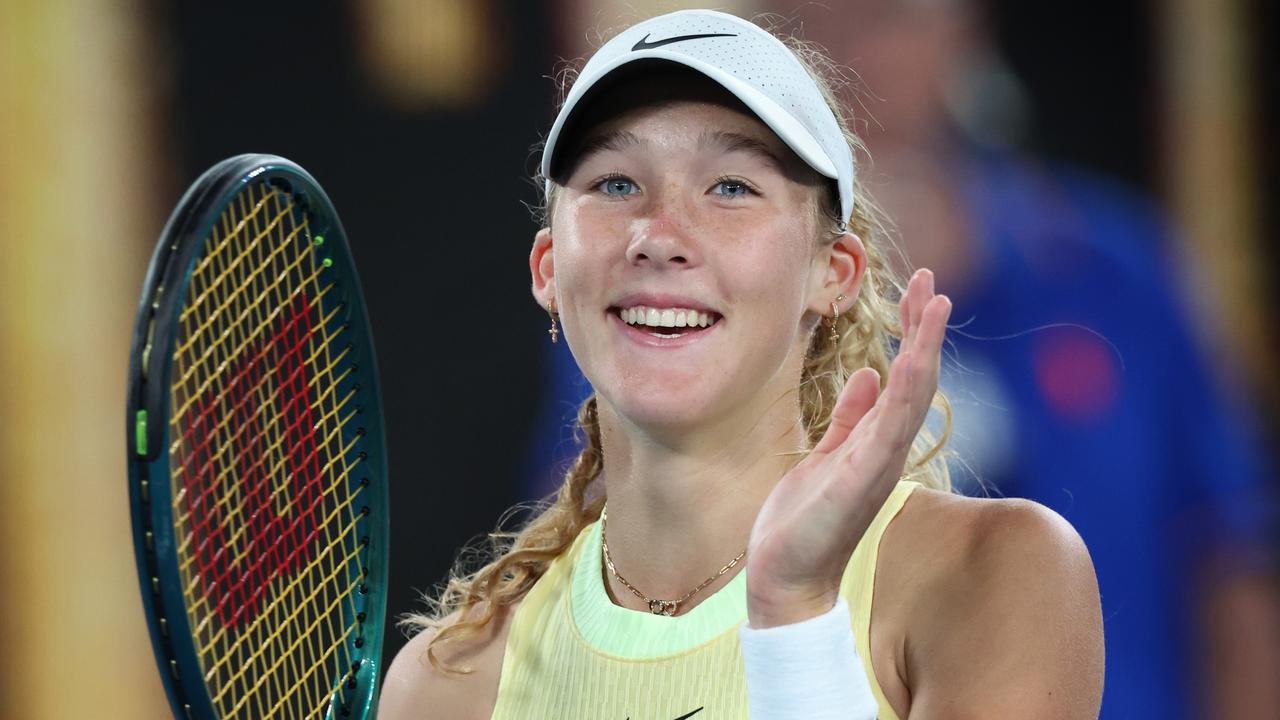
<point x="252" y="476"/>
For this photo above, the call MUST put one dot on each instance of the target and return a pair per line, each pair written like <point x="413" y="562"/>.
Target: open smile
<point x="664" y="327"/>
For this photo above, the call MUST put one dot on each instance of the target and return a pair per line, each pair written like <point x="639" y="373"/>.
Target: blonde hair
<point x="869" y="331"/>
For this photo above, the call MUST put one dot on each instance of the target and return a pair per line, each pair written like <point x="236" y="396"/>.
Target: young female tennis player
<point x="757" y="524"/>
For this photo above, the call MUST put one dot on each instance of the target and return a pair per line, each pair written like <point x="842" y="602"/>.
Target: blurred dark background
<point x="419" y="119"/>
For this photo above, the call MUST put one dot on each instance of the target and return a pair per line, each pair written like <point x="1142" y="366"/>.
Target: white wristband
<point x="808" y="670"/>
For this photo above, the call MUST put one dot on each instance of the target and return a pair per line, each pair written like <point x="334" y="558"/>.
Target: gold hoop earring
<point x="835" y="315"/>
<point x="554" y="332"/>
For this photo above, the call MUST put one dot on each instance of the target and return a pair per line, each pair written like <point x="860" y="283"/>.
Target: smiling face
<point x="683" y="258"/>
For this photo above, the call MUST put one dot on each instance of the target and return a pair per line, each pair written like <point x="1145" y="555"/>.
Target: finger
<point x="932" y="332"/>
<point x="891" y="429"/>
<point x="904" y="312"/>
<point x="900" y="410"/>
<point x="921" y="292"/>
<point x="933" y="325"/>
<point x="858" y="396"/>
<point x="922" y="301"/>
<point x="881" y="441"/>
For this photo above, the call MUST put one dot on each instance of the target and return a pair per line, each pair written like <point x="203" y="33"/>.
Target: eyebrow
<point x="737" y="142"/>
<point x="616" y="140"/>
<point x="619" y="140"/>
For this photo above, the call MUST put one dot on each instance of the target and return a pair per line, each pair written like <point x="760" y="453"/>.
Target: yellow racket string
<point x="292" y="646"/>
<point x="324" y="391"/>
<point x="268" y="547"/>
<point x="225" y="500"/>
<point x="218" y="633"/>
<point x="198" y="363"/>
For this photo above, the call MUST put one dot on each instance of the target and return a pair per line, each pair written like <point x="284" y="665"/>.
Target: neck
<point x="681" y="508"/>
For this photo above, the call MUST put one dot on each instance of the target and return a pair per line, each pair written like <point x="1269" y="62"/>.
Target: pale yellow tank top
<point x="572" y="653"/>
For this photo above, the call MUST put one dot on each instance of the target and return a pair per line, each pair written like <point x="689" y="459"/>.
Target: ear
<point x="846" y="264"/>
<point x="542" y="267"/>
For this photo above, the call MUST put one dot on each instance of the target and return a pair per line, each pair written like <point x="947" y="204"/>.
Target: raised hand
<point x="810" y="524"/>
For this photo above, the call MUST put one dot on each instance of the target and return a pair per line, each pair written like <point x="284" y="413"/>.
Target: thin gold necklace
<point x="657" y="607"/>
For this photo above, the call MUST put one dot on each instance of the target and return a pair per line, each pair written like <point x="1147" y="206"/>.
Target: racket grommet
<point x="319" y="240"/>
<point x="364" y="482"/>
<point x="364" y="590"/>
<point x="327" y="262"/>
<point x="359" y="618"/>
<point x="364" y="510"/>
<point x="359" y="641"/>
<point x="362" y="455"/>
<point x="364" y="540"/>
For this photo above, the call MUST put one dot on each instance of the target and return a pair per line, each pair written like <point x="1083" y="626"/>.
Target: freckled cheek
<point x="770" y="285"/>
<point x="582" y="273"/>
<point x="768" y="263"/>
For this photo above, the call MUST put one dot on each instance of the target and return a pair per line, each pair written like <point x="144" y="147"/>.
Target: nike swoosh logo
<point x="644" y="44"/>
<point x="686" y="716"/>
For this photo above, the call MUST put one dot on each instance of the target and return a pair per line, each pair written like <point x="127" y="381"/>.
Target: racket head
<point x="256" y="453"/>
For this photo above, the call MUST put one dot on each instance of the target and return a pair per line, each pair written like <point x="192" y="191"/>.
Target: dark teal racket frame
<point x="150" y="494"/>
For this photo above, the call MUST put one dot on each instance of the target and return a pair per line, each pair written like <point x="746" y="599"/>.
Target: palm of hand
<point x="811" y="522"/>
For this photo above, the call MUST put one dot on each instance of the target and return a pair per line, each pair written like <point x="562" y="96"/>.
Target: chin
<point x="664" y="407"/>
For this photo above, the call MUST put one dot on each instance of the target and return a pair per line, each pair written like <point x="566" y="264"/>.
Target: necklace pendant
<point x="663" y="607"/>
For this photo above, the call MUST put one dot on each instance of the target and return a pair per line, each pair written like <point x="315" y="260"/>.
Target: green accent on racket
<point x="258" y="461"/>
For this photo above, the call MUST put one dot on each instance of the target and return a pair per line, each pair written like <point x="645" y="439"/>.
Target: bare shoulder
<point x="414" y="688"/>
<point x="1000" y="609"/>
<point x="988" y="535"/>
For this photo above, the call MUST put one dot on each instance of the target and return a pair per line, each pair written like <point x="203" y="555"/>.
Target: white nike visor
<point x="747" y="61"/>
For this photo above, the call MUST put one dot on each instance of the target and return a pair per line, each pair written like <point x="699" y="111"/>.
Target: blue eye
<point x="732" y="188"/>
<point x="616" y="186"/>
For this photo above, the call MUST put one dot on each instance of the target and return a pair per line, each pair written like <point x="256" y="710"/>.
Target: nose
<point x="662" y="239"/>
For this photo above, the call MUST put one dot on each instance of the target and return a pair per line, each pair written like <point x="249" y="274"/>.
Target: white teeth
<point x="664" y="317"/>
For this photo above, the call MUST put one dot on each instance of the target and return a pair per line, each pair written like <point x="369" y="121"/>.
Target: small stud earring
<point x="554" y="332"/>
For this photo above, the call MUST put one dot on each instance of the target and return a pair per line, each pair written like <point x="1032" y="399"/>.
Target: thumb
<point x="858" y="396"/>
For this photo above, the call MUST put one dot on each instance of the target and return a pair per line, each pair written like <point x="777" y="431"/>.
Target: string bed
<point x="263" y="455"/>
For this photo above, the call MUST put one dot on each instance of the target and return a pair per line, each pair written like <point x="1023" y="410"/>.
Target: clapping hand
<point x="809" y="525"/>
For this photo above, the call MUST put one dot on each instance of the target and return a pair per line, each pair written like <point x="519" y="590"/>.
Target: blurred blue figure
<point x="1077" y="381"/>
<point x="1108" y="415"/>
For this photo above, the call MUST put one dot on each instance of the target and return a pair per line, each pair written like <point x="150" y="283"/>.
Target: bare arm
<point x="1013" y="626"/>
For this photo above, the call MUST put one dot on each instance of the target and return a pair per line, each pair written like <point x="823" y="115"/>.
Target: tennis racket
<point x="257" y="462"/>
